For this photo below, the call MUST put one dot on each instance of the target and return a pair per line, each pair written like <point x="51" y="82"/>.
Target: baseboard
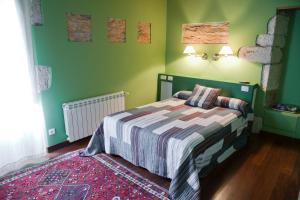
<point x="58" y="146"/>
<point x="65" y="144"/>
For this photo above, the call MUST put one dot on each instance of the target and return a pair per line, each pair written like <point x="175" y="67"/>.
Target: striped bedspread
<point x="169" y="139"/>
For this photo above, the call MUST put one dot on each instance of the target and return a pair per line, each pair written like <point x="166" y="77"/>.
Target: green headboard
<point x="188" y="83"/>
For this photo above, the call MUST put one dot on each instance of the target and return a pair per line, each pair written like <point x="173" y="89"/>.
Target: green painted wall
<point x="247" y="19"/>
<point x="82" y="70"/>
<point x="291" y="76"/>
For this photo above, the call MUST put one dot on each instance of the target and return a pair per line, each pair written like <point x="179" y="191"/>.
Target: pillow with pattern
<point x="203" y="97"/>
<point x="183" y="94"/>
<point x="233" y="103"/>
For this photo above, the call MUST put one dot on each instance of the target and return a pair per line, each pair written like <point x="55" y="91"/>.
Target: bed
<point x="172" y="140"/>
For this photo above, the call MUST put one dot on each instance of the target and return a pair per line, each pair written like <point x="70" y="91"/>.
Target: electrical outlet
<point x="52" y="131"/>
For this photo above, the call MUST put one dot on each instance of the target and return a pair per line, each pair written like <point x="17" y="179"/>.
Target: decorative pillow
<point x="183" y="94"/>
<point x="232" y="103"/>
<point x="203" y="97"/>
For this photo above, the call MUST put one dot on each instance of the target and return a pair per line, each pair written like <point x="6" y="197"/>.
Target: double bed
<point x="173" y="140"/>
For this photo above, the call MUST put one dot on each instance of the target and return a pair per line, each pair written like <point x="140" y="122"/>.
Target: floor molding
<point x="65" y="144"/>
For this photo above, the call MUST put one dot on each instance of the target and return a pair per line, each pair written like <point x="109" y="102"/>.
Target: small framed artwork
<point x="79" y="27"/>
<point x="116" y="30"/>
<point x="36" y="13"/>
<point x="144" y="32"/>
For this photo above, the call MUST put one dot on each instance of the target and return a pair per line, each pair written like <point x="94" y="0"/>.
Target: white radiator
<point x="83" y="117"/>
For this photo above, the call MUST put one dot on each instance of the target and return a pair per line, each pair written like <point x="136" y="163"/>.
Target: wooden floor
<point x="268" y="168"/>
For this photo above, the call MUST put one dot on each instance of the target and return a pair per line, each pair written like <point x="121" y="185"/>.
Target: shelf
<point x="283" y="123"/>
<point x="286" y="113"/>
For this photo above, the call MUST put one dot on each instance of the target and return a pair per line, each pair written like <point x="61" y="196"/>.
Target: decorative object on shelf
<point x="144" y="32"/>
<point x="43" y="78"/>
<point x="286" y="108"/>
<point x="116" y="30"/>
<point x="79" y="27"/>
<point x="36" y="13"/>
<point x="190" y="51"/>
<point x="226" y="51"/>
<point x="205" y="33"/>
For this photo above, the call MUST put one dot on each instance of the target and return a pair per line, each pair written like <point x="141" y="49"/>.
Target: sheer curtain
<point x="21" y="120"/>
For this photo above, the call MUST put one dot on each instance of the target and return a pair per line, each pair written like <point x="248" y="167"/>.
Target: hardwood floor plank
<point x="283" y="189"/>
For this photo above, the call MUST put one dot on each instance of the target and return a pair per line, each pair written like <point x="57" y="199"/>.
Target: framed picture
<point x="144" y="32"/>
<point x="116" y="30"/>
<point x="79" y="27"/>
<point x="205" y="33"/>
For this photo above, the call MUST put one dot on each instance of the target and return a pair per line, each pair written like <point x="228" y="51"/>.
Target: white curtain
<point x="22" y="137"/>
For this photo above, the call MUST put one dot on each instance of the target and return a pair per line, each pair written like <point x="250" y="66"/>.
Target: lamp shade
<point x="189" y="50"/>
<point x="226" y="51"/>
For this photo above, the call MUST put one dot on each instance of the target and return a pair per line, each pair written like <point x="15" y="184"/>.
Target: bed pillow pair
<point x="211" y="99"/>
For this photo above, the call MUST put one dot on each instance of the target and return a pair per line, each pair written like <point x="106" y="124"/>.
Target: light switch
<point x="245" y="88"/>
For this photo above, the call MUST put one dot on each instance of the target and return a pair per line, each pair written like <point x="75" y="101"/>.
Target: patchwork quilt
<point x="170" y="139"/>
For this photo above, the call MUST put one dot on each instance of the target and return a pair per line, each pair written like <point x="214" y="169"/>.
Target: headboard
<point x="169" y="84"/>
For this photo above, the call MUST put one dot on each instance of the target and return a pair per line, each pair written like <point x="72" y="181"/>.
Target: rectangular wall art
<point x="116" y="30"/>
<point x="43" y="78"/>
<point x="36" y="13"/>
<point x="144" y="32"/>
<point x="205" y="33"/>
<point x="79" y="27"/>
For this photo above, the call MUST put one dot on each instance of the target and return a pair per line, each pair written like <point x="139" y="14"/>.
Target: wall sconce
<point x="190" y="51"/>
<point x="226" y="51"/>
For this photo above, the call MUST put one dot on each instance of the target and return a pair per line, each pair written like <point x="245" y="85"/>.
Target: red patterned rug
<point x="72" y="177"/>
